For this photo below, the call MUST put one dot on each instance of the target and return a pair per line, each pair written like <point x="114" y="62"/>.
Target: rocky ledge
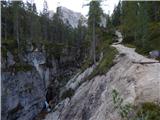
<point x="93" y="100"/>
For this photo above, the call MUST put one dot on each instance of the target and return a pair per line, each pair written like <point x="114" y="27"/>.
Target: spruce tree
<point x="94" y="20"/>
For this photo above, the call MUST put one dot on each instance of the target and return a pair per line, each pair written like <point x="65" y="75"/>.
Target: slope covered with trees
<point x="139" y="23"/>
<point x="23" y="30"/>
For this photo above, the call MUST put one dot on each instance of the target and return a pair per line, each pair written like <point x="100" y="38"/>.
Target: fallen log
<point x="145" y="62"/>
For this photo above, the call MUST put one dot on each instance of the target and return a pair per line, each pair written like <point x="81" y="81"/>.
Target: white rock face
<point x="79" y="78"/>
<point x="71" y="16"/>
<point x="120" y="38"/>
<point x="56" y="114"/>
<point x="103" y="21"/>
<point x="36" y="59"/>
<point x="23" y="92"/>
<point x="136" y="83"/>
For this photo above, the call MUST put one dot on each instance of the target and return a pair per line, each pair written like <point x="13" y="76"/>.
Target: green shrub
<point x="128" y="39"/>
<point x="10" y="43"/>
<point x="87" y="63"/>
<point x="107" y="60"/>
<point x="123" y="109"/>
<point x="149" y="109"/>
<point x="103" y="45"/>
<point x="54" y="49"/>
<point x="22" y="67"/>
<point x="106" y="63"/>
<point x="154" y="38"/>
<point x="143" y="111"/>
<point x="4" y="52"/>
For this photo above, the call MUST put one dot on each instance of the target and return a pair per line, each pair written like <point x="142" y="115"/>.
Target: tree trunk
<point x="94" y="42"/>
<point x="17" y="31"/>
<point x="5" y="29"/>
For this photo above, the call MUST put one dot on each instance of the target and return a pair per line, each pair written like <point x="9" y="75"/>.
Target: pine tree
<point x="44" y="20"/>
<point x="129" y="19"/>
<point x="116" y="17"/>
<point x="94" y="20"/>
<point x="143" y="21"/>
<point x="4" y="26"/>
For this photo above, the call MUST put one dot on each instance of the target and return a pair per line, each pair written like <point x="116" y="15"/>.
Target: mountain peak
<point x="70" y="16"/>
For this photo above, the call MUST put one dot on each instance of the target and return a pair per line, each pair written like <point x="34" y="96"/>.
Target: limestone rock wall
<point x="23" y="95"/>
<point x="136" y="83"/>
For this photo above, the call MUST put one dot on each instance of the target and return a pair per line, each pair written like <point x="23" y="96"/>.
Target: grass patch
<point x="130" y="45"/>
<point x="142" y="51"/>
<point x="105" y="64"/>
<point x="150" y="110"/>
<point x="109" y="53"/>
<point x="143" y="111"/>
<point x="138" y="49"/>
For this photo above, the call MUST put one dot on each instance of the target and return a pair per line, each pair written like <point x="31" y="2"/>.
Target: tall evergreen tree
<point x="94" y="20"/>
<point x="116" y="17"/>
<point x="129" y="13"/>
<point x="44" y="20"/>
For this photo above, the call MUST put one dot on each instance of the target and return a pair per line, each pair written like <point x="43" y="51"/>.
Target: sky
<point x="75" y="5"/>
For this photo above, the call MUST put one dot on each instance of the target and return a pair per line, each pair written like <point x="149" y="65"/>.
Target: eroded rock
<point x="136" y="83"/>
<point x="23" y="95"/>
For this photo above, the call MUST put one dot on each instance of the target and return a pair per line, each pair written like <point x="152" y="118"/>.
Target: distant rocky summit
<point x="71" y="17"/>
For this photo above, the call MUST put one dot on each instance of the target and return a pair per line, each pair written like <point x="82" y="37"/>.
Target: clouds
<point x="75" y="5"/>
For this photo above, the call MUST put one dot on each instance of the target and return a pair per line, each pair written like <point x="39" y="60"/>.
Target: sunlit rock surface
<point x="71" y="17"/>
<point x="136" y="83"/>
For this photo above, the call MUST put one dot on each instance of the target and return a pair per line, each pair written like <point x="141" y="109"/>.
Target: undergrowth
<point x="142" y="111"/>
<point x="105" y="64"/>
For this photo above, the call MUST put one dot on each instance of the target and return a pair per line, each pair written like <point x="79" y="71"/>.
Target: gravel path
<point x="130" y="52"/>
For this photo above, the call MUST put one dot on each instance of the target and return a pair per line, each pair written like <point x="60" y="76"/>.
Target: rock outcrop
<point x="23" y="86"/>
<point x="25" y="83"/>
<point x="23" y="95"/>
<point x="71" y="17"/>
<point x="136" y="83"/>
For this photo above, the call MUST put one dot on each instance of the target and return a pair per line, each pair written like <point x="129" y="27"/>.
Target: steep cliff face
<point x="71" y="17"/>
<point x="25" y="84"/>
<point x="23" y="91"/>
<point x="23" y="95"/>
<point x="93" y="99"/>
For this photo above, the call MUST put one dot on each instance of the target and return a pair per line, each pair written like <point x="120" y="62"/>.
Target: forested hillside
<point x="139" y="22"/>
<point x="23" y="29"/>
